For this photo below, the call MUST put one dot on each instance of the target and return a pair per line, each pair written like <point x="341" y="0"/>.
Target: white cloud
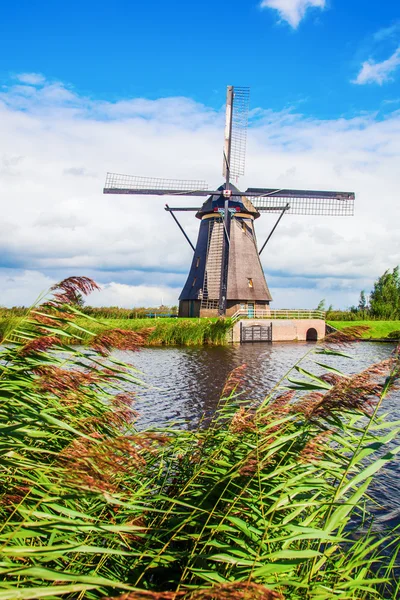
<point x="378" y="72"/>
<point x="292" y="11"/>
<point x="23" y="288"/>
<point x="387" y="32"/>
<point x="119" y="294"/>
<point x="55" y="149"/>
<point x="31" y="78"/>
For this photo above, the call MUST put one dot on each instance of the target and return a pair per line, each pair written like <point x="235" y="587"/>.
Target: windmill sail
<point x="237" y="115"/>
<point x="303" y="202"/>
<point x="116" y="183"/>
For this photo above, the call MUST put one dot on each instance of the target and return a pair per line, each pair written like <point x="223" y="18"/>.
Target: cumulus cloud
<point x="292" y="11"/>
<point x="56" y="146"/>
<point x="120" y="294"/>
<point x="31" y="78"/>
<point x="378" y="72"/>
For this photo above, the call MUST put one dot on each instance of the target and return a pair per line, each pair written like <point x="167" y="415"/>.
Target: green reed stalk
<point x="268" y="502"/>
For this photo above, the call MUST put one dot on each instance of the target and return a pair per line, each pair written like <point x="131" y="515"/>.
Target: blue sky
<point x="87" y="87"/>
<point x="151" y="49"/>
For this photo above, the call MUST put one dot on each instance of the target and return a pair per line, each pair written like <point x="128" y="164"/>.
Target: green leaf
<point x="62" y="549"/>
<point x="251" y="533"/>
<point x="329" y="368"/>
<point x="62" y="425"/>
<point x="328" y="352"/>
<point x="209" y="576"/>
<point x="49" y="574"/>
<point x="325" y="384"/>
<point x="339" y="515"/>
<point x="300" y="384"/>
<point x="232" y="560"/>
<point x="371" y="469"/>
<point x="293" y="554"/>
<point x="43" y="592"/>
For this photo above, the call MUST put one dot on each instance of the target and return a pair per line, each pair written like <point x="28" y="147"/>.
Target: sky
<point x="139" y="88"/>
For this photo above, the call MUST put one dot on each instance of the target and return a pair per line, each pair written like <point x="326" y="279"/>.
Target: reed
<point x="185" y="332"/>
<point x="168" y="332"/>
<point x="155" y="332"/>
<point x="269" y="502"/>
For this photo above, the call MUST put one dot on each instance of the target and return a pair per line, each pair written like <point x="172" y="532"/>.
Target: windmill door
<point x="250" y="310"/>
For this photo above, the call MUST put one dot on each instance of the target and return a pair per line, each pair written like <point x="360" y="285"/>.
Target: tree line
<point x="383" y="302"/>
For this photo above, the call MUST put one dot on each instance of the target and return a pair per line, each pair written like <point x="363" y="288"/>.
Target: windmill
<point x="226" y="272"/>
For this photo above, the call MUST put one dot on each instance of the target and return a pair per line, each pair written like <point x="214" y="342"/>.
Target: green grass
<point x="164" y="331"/>
<point x="190" y="332"/>
<point x="171" y="332"/>
<point x="378" y="329"/>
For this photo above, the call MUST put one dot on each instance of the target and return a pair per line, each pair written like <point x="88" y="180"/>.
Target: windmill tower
<point x="226" y="272"/>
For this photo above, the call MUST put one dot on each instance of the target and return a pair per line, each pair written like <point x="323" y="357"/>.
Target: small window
<point x="194" y="281"/>
<point x="250" y="282"/>
<point x="197" y="261"/>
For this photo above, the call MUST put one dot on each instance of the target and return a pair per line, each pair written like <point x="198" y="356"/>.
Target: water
<point x="185" y="385"/>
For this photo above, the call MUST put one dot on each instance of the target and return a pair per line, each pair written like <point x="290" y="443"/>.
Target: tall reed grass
<point x="269" y="502"/>
<point x="166" y="331"/>
<point x="169" y="332"/>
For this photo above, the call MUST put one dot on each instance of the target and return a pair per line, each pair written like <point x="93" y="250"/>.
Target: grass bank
<point x="168" y="332"/>
<point x="377" y="329"/>
<point x="153" y="332"/>
<point x="268" y="503"/>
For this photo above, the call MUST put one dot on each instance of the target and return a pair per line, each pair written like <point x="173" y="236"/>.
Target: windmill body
<point x="246" y="284"/>
<point x="226" y="272"/>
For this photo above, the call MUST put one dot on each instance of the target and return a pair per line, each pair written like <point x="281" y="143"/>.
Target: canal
<point x="183" y="386"/>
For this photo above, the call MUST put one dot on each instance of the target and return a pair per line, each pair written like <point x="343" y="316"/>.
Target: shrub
<point x="394" y="335"/>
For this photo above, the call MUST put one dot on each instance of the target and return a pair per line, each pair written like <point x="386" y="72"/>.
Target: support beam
<point x="184" y="208"/>
<point x="274" y="227"/>
<point x="223" y="290"/>
<point x="179" y="225"/>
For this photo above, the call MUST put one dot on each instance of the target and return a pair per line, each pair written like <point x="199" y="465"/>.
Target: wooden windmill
<point x="226" y="272"/>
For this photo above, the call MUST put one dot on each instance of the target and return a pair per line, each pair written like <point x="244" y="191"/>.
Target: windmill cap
<point x="216" y="201"/>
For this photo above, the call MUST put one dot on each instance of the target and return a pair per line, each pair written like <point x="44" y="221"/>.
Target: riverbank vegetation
<point x="269" y="502"/>
<point x="151" y="332"/>
<point x="377" y="330"/>
<point x="383" y="303"/>
<point x="103" y="312"/>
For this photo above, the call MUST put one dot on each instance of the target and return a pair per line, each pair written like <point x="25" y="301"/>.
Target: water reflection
<point x="185" y="383"/>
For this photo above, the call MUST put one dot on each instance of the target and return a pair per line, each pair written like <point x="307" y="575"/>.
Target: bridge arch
<point x="312" y="335"/>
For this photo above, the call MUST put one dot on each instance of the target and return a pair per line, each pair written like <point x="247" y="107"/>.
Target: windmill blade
<point x="237" y="116"/>
<point x="303" y="202"/>
<point x="117" y="183"/>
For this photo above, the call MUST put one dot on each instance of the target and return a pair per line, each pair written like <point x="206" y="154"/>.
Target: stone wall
<point x="285" y="330"/>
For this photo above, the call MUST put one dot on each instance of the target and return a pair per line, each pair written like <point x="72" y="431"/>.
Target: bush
<point x="394" y="335"/>
<point x="341" y="315"/>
